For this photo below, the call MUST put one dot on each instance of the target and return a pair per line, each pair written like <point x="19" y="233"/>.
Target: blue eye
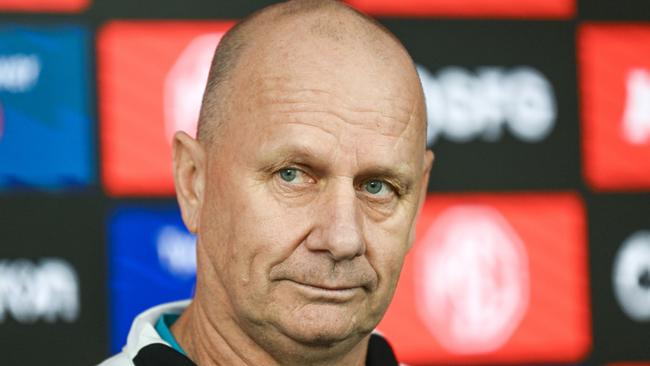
<point x="373" y="186"/>
<point x="289" y="174"/>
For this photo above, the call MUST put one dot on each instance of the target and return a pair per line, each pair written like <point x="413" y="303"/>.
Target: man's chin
<point x="324" y="324"/>
<point x="319" y="338"/>
<point x="321" y="333"/>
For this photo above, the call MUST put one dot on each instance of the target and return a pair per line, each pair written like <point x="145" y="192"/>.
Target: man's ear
<point x="189" y="177"/>
<point x="424" y="185"/>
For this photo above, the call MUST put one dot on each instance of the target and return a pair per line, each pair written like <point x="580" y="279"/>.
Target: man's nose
<point x="339" y="224"/>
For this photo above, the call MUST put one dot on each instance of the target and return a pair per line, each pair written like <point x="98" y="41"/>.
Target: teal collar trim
<point x="163" y="326"/>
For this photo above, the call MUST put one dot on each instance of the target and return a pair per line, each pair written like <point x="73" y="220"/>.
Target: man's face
<point x="311" y="196"/>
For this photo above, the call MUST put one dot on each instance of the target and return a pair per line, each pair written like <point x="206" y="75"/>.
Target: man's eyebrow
<point x="293" y="153"/>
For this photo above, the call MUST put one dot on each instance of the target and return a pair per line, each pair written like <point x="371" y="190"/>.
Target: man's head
<point x="306" y="180"/>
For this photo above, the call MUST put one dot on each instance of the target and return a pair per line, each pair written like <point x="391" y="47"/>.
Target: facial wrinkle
<point x="304" y="114"/>
<point x="415" y="130"/>
<point x="348" y="109"/>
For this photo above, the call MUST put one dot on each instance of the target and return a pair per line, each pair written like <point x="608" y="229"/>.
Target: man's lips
<point x="327" y="287"/>
<point x="340" y="292"/>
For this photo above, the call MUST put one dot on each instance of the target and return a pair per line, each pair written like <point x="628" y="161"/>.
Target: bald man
<point x="303" y="187"/>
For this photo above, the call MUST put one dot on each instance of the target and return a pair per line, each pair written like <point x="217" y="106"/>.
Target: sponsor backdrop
<point x="534" y="243"/>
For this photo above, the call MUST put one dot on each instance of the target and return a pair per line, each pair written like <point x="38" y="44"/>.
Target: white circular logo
<point x="631" y="276"/>
<point x="185" y="83"/>
<point x="472" y="281"/>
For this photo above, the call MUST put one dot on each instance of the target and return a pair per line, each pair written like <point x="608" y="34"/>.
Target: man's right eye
<point x="289" y="174"/>
<point x="294" y="176"/>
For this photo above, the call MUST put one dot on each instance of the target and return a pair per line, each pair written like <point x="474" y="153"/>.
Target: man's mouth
<point x="328" y="292"/>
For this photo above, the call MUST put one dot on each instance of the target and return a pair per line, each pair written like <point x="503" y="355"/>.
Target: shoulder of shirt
<point x="143" y="332"/>
<point x="120" y="359"/>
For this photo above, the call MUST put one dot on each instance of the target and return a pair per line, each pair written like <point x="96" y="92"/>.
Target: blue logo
<point x="46" y="130"/>
<point x="151" y="260"/>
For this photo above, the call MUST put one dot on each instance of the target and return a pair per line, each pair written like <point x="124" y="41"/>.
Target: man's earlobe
<point x="189" y="177"/>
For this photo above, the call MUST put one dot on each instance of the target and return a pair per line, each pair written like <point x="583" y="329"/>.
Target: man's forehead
<point x="355" y="100"/>
<point x="330" y="120"/>
<point x="326" y="72"/>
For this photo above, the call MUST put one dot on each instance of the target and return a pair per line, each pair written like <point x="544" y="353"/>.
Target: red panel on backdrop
<point x="494" y="278"/>
<point x="151" y="79"/>
<point x="614" y="63"/>
<point x="44" y="5"/>
<point x="531" y="9"/>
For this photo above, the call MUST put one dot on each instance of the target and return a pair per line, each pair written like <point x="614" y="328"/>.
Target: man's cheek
<point x="393" y="267"/>
<point x="395" y="270"/>
<point x="389" y="253"/>
<point x="388" y="266"/>
<point x="279" y="227"/>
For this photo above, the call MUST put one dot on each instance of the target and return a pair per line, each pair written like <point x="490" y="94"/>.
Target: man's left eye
<point x="377" y="187"/>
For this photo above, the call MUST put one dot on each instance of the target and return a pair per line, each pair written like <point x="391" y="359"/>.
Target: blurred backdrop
<point x="534" y="243"/>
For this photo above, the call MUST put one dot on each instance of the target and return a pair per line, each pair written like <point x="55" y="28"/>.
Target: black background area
<point x="176" y="9"/>
<point x="614" y="10"/>
<point x="71" y="228"/>
<point x="509" y="163"/>
<point x="587" y="9"/>
<point x="613" y="218"/>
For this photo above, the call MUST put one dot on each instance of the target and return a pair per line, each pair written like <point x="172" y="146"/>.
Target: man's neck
<point x="220" y="342"/>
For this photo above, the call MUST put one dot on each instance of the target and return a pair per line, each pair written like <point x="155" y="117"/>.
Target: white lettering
<point x="636" y="117"/>
<point x="46" y="291"/>
<point x="462" y="106"/>
<point x="18" y="73"/>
